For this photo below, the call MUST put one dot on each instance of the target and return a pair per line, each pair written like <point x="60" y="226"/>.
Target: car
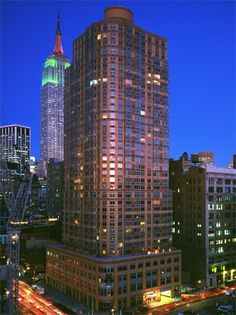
<point x="230" y="292"/>
<point x="226" y="308"/>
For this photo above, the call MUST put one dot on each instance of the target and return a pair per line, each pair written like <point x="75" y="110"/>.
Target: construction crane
<point x="10" y="232"/>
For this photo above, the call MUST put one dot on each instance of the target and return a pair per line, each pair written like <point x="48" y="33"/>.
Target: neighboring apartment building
<point x="117" y="215"/>
<point x="52" y="105"/>
<point x="204" y="210"/>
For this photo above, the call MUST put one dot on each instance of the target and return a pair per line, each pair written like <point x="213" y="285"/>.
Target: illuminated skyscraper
<point x="117" y="210"/>
<point x="52" y="104"/>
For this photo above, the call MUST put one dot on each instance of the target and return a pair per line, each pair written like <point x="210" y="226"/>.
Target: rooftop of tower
<point x="118" y="12"/>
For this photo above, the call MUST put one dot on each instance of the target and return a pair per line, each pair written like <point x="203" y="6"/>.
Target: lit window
<point x="157" y="76"/>
<point x="128" y="81"/>
<point x="93" y="82"/>
<point x="99" y="36"/>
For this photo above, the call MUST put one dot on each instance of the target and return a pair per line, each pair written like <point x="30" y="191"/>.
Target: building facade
<point x="15" y="147"/>
<point x="204" y="210"/>
<point x="117" y="210"/>
<point x="14" y="161"/>
<point x="55" y="188"/>
<point x="15" y="155"/>
<point x="52" y="105"/>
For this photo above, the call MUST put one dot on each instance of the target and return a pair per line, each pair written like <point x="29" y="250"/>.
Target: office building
<point x="52" y="105"/>
<point x="15" y="155"/>
<point x="204" y="203"/>
<point x="117" y="243"/>
<point x="14" y="161"/>
<point x="15" y="147"/>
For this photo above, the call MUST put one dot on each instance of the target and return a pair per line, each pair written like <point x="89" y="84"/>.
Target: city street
<point x="202" y="303"/>
<point x="205" y="306"/>
<point x="33" y="303"/>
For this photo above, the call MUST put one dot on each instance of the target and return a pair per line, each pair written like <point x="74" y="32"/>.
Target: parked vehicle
<point x="230" y="292"/>
<point x="38" y="289"/>
<point x="226" y="308"/>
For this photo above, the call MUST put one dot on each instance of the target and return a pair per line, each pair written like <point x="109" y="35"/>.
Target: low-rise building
<point x="204" y="212"/>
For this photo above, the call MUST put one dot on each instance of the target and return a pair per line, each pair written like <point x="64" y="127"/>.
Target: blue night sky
<point x="201" y="40"/>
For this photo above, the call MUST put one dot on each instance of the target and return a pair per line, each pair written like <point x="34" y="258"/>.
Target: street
<point x="205" y="306"/>
<point x="202" y="303"/>
<point x="33" y="303"/>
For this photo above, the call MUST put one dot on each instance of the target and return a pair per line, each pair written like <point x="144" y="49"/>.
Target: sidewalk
<point x="164" y="301"/>
<point x="74" y="307"/>
<point x="71" y="306"/>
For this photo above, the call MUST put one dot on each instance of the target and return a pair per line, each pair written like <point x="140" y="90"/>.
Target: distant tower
<point x="52" y="104"/>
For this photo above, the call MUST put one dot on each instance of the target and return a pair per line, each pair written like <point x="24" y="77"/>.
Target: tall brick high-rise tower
<point x="117" y="208"/>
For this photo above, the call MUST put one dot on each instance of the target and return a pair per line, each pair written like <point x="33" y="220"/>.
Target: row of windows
<point x="221" y="181"/>
<point x="226" y="189"/>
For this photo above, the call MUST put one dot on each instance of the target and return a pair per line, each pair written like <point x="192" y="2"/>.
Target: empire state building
<point x="52" y="104"/>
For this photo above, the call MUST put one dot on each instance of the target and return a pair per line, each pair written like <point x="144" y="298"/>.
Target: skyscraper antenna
<point x="58" y="31"/>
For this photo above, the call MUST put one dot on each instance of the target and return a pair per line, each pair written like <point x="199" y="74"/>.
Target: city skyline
<point x="201" y="45"/>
